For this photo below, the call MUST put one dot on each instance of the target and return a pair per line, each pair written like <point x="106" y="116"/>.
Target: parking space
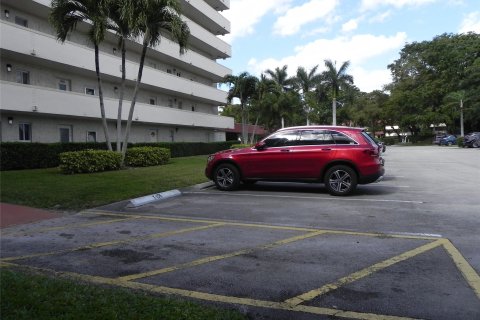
<point x="394" y="250"/>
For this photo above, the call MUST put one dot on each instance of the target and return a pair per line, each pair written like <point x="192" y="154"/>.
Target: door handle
<point x="327" y="149"/>
<point x="285" y="150"/>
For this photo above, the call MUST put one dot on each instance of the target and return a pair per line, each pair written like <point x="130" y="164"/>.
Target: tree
<point x="242" y="87"/>
<point x="336" y="80"/>
<point x="285" y="84"/>
<point x="65" y="16"/>
<point x="426" y="72"/>
<point x="306" y="82"/>
<point x="153" y="19"/>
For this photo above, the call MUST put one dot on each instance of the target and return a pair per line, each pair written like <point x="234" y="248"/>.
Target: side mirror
<point x="261" y="145"/>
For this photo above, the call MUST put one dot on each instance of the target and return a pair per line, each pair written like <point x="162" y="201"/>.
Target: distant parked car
<point x="472" y="140"/>
<point x="448" y="140"/>
<point x="438" y="137"/>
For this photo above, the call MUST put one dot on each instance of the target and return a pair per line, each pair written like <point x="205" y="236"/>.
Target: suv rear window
<point x="369" y="139"/>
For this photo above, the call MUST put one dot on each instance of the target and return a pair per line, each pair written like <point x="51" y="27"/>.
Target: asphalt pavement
<point x="403" y="248"/>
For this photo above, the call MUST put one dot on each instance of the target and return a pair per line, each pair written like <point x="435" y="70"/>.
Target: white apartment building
<point x="49" y="90"/>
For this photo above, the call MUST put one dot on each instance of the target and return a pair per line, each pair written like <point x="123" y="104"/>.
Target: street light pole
<point x="334" y="113"/>
<point x="461" y="118"/>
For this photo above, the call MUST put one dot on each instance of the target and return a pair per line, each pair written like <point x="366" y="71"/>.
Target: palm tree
<point x="335" y="80"/>
<point x="280" y="76"/>
<point x="307" y="82"/>
<point x="65" y="16"/>
<point x="124" y="30"/>
<point x="152" y="18"/>
<point x="265" y="87"/>
<point x="242" y="87"/>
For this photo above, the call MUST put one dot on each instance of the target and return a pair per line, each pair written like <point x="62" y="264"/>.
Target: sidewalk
<point x="12" y="214"/>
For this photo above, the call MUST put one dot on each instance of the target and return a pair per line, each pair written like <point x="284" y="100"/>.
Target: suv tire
<point x="341" y="180"/>
<point x="226" y="177"/>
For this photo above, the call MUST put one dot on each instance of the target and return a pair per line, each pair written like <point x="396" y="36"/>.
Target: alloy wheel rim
<point x="340" y="181"/>
<point x="225" y="177"/>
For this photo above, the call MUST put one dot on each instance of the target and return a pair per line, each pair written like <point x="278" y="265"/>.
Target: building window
<point x="91" y="136"/>
<point x="153" y="101"/>
<point x="65" y="134"/>
<point x="90" y="91"/>
<point x="64" y="84"/>
<point x="169" y="71"/>
<point x="170" y="103"/>
<point x="180" y="104"/>
<point x="23" y="77"/>
<point x="21" y="21"/>
<point x="193" y="108"/>
<point x="25" y="132"/>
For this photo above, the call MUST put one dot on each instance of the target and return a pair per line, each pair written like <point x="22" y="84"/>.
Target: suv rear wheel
<point x="340" y="180"/>
<point x="226" y="177"/>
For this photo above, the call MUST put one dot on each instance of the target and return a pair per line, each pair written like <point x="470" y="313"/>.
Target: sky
<point x="266" y="34"/>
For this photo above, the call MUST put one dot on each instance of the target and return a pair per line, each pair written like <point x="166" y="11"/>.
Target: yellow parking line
<point x="73" y="226"/>
<point x="111" y="243"/>
<point x="465" y="268"/>
<point x="220" y="257"/>
<point x="266" y="226"/>
<point x="312" y="294"/>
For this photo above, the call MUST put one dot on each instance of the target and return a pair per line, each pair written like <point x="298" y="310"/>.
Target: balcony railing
<point x="32" y="43"/>
<point x="32" y="99"/>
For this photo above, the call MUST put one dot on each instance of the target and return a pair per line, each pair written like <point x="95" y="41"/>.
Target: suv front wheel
<point x="340" y="180"/>
<point x="226" y="177"/>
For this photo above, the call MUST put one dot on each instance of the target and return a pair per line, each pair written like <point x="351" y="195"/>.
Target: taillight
<point x="371" y="152"/>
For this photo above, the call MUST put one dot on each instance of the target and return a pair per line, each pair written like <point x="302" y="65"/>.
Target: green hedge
<point x="88" y="161"/>
<point x="146" y="156"/>
<point x="20" y="155"/>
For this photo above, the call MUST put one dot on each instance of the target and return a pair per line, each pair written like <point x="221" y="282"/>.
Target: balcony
<point x="206" y="16"/>
<point x="33" y="44"/>
<point x="201" y="38"/>
<point x="39" y="100"/>
<point x="219" y="5"/>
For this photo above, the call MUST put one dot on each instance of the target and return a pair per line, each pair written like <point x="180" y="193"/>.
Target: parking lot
<point x="404" y="248"/>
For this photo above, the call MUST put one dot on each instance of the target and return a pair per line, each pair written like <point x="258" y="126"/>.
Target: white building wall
<point x="178" y="99"/>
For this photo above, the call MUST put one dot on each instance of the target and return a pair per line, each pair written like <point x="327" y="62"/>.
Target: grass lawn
<point x="30" y="296"/>
<point x="49" y="188"/>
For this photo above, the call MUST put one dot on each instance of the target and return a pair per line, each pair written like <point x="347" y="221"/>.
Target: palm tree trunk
<point x="244" y="125"/>
<point x="134" y="99"/>
<point x="100" y="96"/>
<point x="334" y="112"/>
<point x="120" y="99"/>
<point x="254" y="129"/>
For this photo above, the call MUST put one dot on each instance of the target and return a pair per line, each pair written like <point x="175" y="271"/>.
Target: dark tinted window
<point x="282" y="139"/>
<point x="341" y="138"/>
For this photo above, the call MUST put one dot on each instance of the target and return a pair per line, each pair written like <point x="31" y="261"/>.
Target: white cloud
<point x="471" y="23"/>
<point x="375" y="4"/>
<point x="350" y="25"/>
<point x="292" y="21"/>
<point x="358" y="49"/>
<point x="244" y="15"/>
<point x="381" y="17"/>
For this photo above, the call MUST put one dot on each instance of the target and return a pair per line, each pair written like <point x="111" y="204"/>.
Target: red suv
<point x="340" y="157"/>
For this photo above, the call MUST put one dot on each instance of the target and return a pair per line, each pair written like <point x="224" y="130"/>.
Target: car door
<point x="274" y="160"/>
<point x="314" y="150"/>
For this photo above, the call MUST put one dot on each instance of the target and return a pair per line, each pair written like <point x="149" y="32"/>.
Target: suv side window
<point x="315" y="137"/>
<point x="341" y="138"/>
<point x="282" y="139"/>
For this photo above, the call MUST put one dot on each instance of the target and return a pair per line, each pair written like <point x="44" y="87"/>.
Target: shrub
<point x="147" y="156"/>
<point x="88" y="161"/>
<point x="461" y="142"/>
<point x="389" y="141"/>
<point x="239" y="146"/>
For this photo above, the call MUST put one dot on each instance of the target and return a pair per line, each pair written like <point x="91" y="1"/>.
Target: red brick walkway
<point x="11" y="214"/>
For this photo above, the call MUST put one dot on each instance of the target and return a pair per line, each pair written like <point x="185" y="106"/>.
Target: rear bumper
<point x="375" y="177"/>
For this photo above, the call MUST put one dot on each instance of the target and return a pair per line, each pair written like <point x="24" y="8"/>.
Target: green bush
<point x="146" y="156"/>
<point x="239" y="146"/>
<point x="461" y="142"/>
<point x="87" y="161"/>
<point x="389" y="141"/>
<point x="20" y="155"/>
